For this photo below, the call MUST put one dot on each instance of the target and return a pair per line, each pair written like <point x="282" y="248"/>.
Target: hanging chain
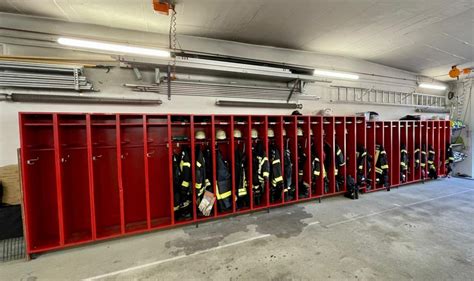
<point x="173" y="40"/>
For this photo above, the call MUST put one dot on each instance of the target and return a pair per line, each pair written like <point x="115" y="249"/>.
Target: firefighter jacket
<point x="403" y="162"/>
<point x="432" y="171"/>
<point x="449" y="158"/>
<point x="417" y="158"/>
<point x="423" y="156"/>
<point x="340" y="161"/>
<point x="260" y="169"/>
<point x="361" y="156"/>
<point x="302" y="185"/>
<point x="240" y="176"/>
<point x="381" y="166"/>
<point x="289" y="188"/>
<point x="223" y="182"/>
<point x="200" y="174"/>
<point x="182" y="179"/>
<point x="327" y="163"/>
<point x="276" y="176"/>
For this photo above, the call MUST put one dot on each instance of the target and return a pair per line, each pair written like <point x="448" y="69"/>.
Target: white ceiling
<point x="424" y="36"/>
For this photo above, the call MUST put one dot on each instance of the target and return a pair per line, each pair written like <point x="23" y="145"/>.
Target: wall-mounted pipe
<point x="233" y="103"/>
<point x="35" y="98"/>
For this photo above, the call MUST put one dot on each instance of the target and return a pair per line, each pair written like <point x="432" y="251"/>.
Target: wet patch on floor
<point x="283" y="223"/>
<point x="206" y="236"/>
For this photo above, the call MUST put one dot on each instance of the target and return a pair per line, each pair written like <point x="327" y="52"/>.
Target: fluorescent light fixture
<point x="335" y="74"/>
<point x="432" y="86"/>
<point x="113" y="47"/>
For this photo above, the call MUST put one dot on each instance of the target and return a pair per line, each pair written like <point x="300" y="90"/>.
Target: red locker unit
<point x="88" y="177"/>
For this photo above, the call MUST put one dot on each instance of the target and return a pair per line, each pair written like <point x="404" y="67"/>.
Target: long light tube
<point x="432" y="86"/>
<point x="335" y="74"/>
<point x="112" y="47"/>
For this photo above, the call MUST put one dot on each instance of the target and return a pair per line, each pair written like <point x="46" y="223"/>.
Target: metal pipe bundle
<point x="17" y="74"/>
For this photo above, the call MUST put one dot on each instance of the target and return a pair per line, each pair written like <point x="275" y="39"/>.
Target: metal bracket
<point x="32" y="161"/>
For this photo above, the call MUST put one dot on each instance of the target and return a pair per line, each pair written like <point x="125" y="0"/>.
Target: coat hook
<point x="32" y="161"/>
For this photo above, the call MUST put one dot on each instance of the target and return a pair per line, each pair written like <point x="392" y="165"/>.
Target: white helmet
<point x="220" y="134"/>
<point x="254" y="133"/>
<point x="200" y="135"/>
<point x="237" y="133"/>
<point x="311" y="132"/>
<point x="284" y="132"/>
<point x="300" y="132"/>
<point x="271" y="133"/>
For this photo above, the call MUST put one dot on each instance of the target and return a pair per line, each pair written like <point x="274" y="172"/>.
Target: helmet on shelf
<point x="300" y="132"/>
<point x="254" y="133"/>
<point x="237" y="133"/>
<point x="271" y="133"/>
<point x="220" y="134"/>
<point x="200" y="135"/>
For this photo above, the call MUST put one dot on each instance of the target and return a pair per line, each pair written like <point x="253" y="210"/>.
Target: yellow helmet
<point x="254" y="133"/>
<point x="200" y="135"/>
<point x="271" y="133"/>
<point x="220" y="134"/>
<point x="237" y="134"/>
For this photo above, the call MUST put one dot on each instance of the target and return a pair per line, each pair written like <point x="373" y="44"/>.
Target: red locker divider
<point x="97" y="176"/>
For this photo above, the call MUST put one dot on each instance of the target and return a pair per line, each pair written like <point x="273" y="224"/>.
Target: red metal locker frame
<point x="275" y="122"/>
<point x="387" y="144"/>
<point x="340" y="140"/>
<point x="318" y="139"/>
<point x="50" y="132"/>
<point x="411" y="150"/>
<point x="371" y="141"/>
<point x="330" y="132"/>
<point x="361" y="140"/>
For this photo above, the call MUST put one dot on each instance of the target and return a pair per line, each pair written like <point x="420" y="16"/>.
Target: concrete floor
<point x="422" y="231"/>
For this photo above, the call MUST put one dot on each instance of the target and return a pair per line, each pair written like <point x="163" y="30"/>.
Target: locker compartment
<point x="105" y="174"/>
<point x="39" y="182"/>
<point x="203" y="179"/>
<point x="397" y="167"/>
<point x="361" y="139"/>
<point x="275" y="158"/>
<point x="379" y="140"/>
<point x="371" y="130"/>
<point x="340" y="155"/>
<point x="242" y="156"/>
<point x="411" y="149"/>
<point x="223" y="136"/>
<point x="443" y="144"/>
<point x="388" y="142"/>
<point x="415" y="157"/>
<point x="424" y="149"/>
<point x="317" y="182"/>
<point x="304" y="154"/>
<point x="159" y="168"/>
<point x="183" y="192"/>
<point x="290" y="142"/>
<point x="260" y="172"/>
<point x="133" y="172"/>
<point x="76" y="199"/>
<point x="351" y="148"/>
<point x="437" y="146"/>
<point x="431" y="145"/>
<point x="329" y="154"/>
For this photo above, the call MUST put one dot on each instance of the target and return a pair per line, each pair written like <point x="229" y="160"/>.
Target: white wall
<point x="372" y="75"/>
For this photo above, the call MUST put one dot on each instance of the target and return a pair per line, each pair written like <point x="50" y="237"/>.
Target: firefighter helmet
<point x="300" y="132"/>
<point x="254" y="134"/>
<point x="237" y="133"/>
<point x="311" y="132"/>
<point x="271" y="133"/>
<point x="220" y="134"/>
<point x="284" y="132"/>
<point x="200" y="135"/>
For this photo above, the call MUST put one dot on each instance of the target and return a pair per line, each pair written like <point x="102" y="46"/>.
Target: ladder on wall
<point x="379" y="97"/>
